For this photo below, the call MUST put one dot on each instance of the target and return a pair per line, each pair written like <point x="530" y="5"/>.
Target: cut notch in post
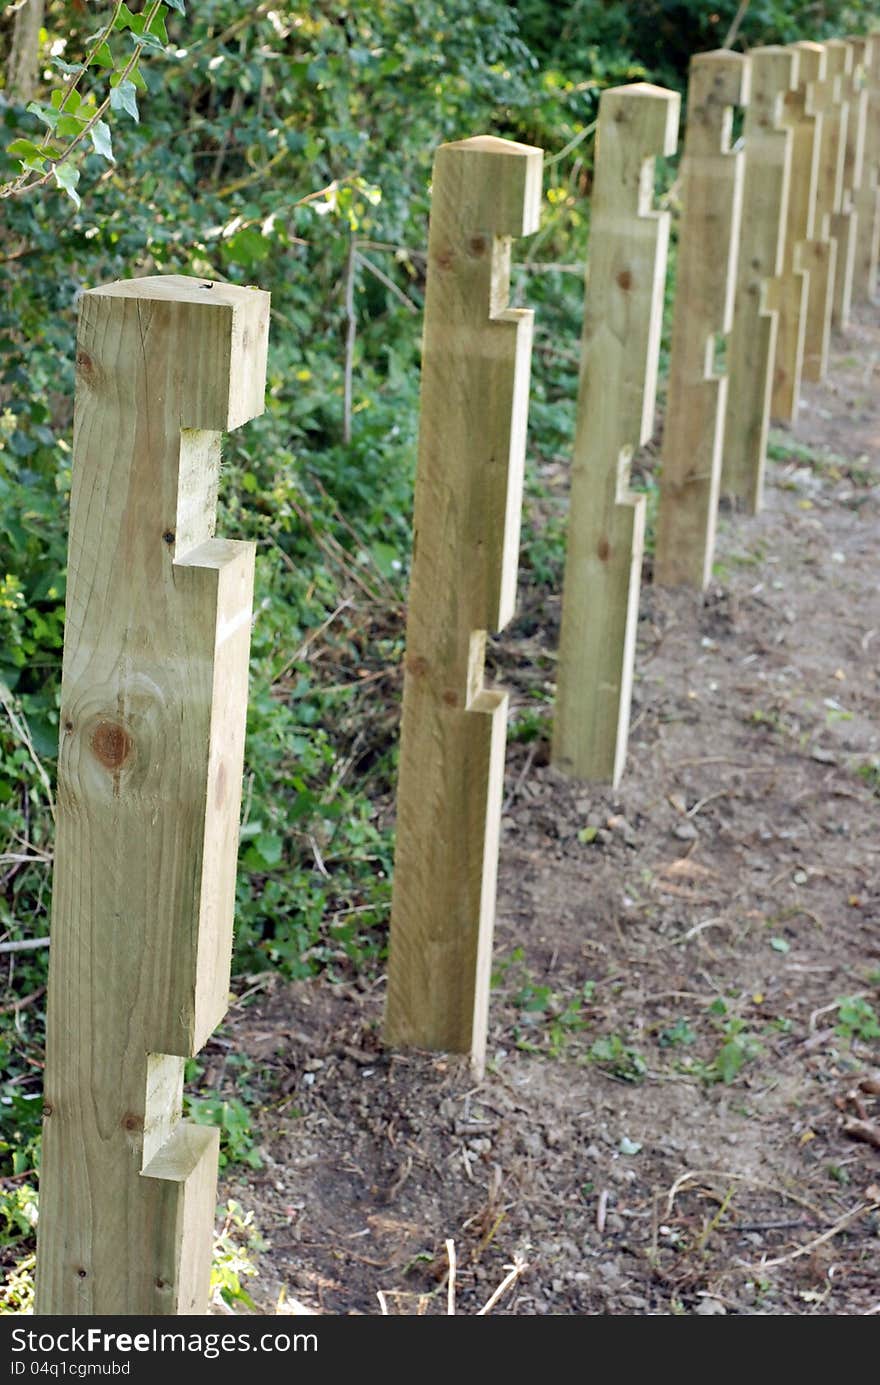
<point x="153" y="699"/>
<point x="474" y="401"/>
<point x="711" y="179"/>
<point x="615" y="415"/>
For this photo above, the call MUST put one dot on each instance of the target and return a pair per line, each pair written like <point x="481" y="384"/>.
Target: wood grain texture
<point x="153" y="701"/>
<point x="844" y="223"/>
<point x="474" y="401"/>
<point x="819" y="254"/>
<point x="711" y="195"/>
<point x="767" y="174"/>
<point x="615" y="414"/>
<point x="787" y="294"/>
<point x="867" y="199"/>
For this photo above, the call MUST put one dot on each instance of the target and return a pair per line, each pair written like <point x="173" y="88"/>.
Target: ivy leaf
<point x="123" y="97"/>
<point x="102" y="57"/>
<point x="126" y="19"/>
<point x="69" y="126"/>
<point x="147" y="40"/>
<point x="29" y="154"/>
<point x="67" y="177"/>
<point x="100" y="134"/>
<point x="157" y="27"/>
<point x="69" y="69"/>
<point x="247" y="247"/>
<point x="43" y="113"/>
<point x="70" y="103"/>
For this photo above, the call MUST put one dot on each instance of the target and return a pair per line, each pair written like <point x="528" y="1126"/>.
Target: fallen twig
<point x="846" y="1220"/>
<point x="518" y="1268"/>
<point x="862" y="1130"/>
<point x="25" y="1000"/>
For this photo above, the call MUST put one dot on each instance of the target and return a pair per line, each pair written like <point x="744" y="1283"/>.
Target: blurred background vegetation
<point x="289" y="147"/>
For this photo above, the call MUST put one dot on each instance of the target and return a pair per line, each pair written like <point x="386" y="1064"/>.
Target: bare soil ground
<point x="670" y="1119"/>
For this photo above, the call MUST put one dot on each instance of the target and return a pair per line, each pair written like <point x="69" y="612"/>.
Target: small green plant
<point x="739" y="1048"/>
<point x="20" y="1128"/>
<point x="234" y="1246"/>
<point x="871" y="775"/>
<point x="617" y="1058"/>
<point x="678" y="1033"/>
<point x="17" y="1294"/>
<point x="231" y="1116"/>
<point x="857" y="1019"/>
<point x="18" y="1213"/>
<point x="532" y="724"/>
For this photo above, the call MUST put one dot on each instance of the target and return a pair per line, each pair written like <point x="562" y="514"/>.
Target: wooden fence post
<point x="474" y="403"/>
<point x="711" y="195"/>
<point x="618" y="384"/>
<point x="844" y="224"/>
<point x="788" y="294"/>
<point x="153" y="699"/>
<point x="768" y="151"/>
<point x="819" y="255"/>
<point x="868" y="194"/>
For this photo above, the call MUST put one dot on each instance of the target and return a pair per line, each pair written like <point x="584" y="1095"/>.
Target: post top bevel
<point x="493" y="144"/>
<point x="179" y="288"/>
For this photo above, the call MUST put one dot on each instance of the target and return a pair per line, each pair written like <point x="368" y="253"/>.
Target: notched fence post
<point x="615" y="415"/>
<point x="711" y="194"/>
<point x="819" y="254"/>
<point x="788" y="294"/>
<point x="153" y="701"/>
<point x="766" y="180"/>
<point x="867" y="196"/>
<point x="844" y="223"/>
<point x="474" y="403"/>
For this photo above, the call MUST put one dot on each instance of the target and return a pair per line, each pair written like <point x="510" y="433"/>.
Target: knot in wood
<point x="603" y="550"/>
<point x="111" y="744"/>
<point x="624" y="280"/>
<point x="477" y="245"/>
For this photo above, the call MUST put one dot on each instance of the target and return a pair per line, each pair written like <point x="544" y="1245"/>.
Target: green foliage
<point x="738" y="1046"/>
<point x="659" y="36"/>
<point x="105" y="81"/>
<point x="265" y="144"/>
<point x="618" y="1058"/>
<point x="857" y="1019"/>
<point x="678" y="1033"/>
<point x="18" y="1213"/>
<point x="17" y="1293"/>
<point x="231" y="1117"/>
<point x="234" y="1247"/>
<point x="870" y="772"/>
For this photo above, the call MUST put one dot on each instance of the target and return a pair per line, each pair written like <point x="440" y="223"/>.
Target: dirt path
<point x="662" y="1129"/>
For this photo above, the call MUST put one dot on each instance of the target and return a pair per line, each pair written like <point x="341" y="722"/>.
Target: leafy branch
<point x="73" y="118"/>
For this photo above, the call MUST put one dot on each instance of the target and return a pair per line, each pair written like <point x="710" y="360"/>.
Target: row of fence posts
<point x="775" y="240"/>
